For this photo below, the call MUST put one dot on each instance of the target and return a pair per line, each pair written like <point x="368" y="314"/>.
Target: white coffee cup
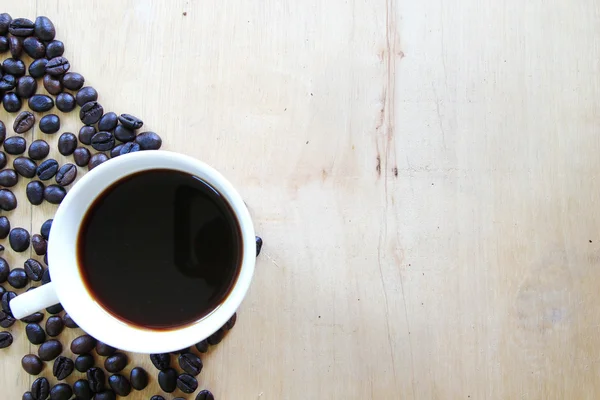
<point x="67" y="286"/>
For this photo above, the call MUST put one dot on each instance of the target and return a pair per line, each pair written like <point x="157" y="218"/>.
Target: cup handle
<point x="34" y="300"/>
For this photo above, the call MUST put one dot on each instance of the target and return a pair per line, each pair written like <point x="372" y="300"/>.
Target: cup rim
<point x="85" y="310"/>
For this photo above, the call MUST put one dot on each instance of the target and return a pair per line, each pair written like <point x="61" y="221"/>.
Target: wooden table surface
<point x="423" y="174"/>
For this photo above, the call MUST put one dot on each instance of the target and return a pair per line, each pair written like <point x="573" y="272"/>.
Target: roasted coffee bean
<point x="46" y="277"/>
<point x="216" y="337"/>
<point x="21" y="27"/>
<point x="55" y="48"/>
<point x="106" y="395"/>
<point x="15" y="45"/>
<point x="52" y="84"/>
<point x="73" y="81"/>
<point x="130" y="147"/>
<point x="157" y="397"/>
<point x="187" y="383"/>
<point x="33" y="318"/>
<point x="61" y="391"/>
<point x="4" y="270"/>
<point x="49" y="350"/>
<point x="65" y="102"/>
<point x="124" y="134"/>
<point x="37" y="69"/>
<point x="85" y="95"/>
<point x="108" y="122"/>
<point x="120" y="385"/>
<point x="11" y="102"/>
<point x="116" y="363"/>
<point x="167" y="380"/>
<point x="259" y="244"/>
<point x="8" y="201"/>
<point x="6" y="299"/>
<point x="55" y="309"/>
<point x="190" y="363"/>
<point x="103" y="141"/>
<point x="8" y="178"/>
<point x="6" y="339"/>
<point x="131" y="122"/>
<point x="2" y="159"/>
<point x="205" y="395"/>
<point x="66" y="174"/>
<point x="25" y="167"/>
<point x="26" y="87"/>
<point x="57" y="66"/>
<point x="30" y="363"/>
<point x="14" y="67"/>
<point x="91" y="112"/>
<point x="138" y="378"/>
<point x="44" y="28"/>
<point x="81" y="156"/>
<point x="97" y="379"/>
<point x="85" y="134"/>
<point x="34" y="47"/>
<point x="5" y="19"/>
<point x="231" y="323"/>
<point x="83" y="344"/>
<point x="15" y="145"/>
<point x="40" y="389"/>
<point x="82" y="391"/>
<point x="6" y="319"/>
<point x="8" y="82"/>
<point x="19" y="239"/>
<point x="41" y="103"/>
<point x="50" y="123"/>
<point x="38" y="149"/>
<point x="34" y="270"/>
<point x="104" y="349"/>
<point x="27" y="396"/>
<point x="24" y="121"/>
<point x="63" y="367"/>
<point x="116" y="151"/>
<point x="202" y="346"/>
<point x="47" y="169"/>
<point x="84" y="362"/>
<point x="3" y="44"/>
<point x="54" y="194"/>
<point x="2" y="137"/>
<point x="46" y="228"/>
<point x="54" y="326"/>
<point x="161" y="361"/>
<point x="96" y="160"/>
<point x="39" y="244"/>
<point x="35" y="333"/>
<point x="17" y="278"/>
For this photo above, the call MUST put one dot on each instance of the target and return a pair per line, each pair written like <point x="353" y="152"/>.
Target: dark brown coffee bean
<point x="57" y="66"/>
<point x="31" y="363"/>
<point x="83" y="344"/>
<point x="82" y="391"/>
<point x="34" y="269"/>
<point x="131" y="122"/>
<point x="39" y="244"/>
<point x="202" y="346"/>
<point x="8" y="178"/>
<point x="6" y="339"/>
<point x="103" y="141"/>
<point x="15" y="145"/>
<point x="50" y="123"/>
<point x="65" y="102"/>
<point x="17" y="278"/>
<point x="85" y="134"/>
<point x="161" y="361"/>
<point x="35" y="333"/>
<point x="40" y="103"/>
<point x="11" y="102"/>
<point x="47" y="169"/>
<point x="26" y="87"/>
<point x="25" y="167"/>
<point x="24" y="121"/>
<point x="4" y="271"/>
<point x="67" y="143"/>
<point x="15" y="45"/>
<point x="14" y="67"/>
<point x="106" y="395"/>
<point x="205" y="395"/>
<point x="38" y="149"/>
<point x="21" y="27"/>
<point x="33" y="318"/>
<point x="54" y="49"/>
<point x="167" y="380"/>
<point x="8" y="82"/>
<point x="130" y="147"/>
<point x="46" y="228"/>
<point x="40" y="389"/>
<point x="63" y="367"/>
<point x="104" y="349"/>
<point x="259" y="244"/>
<point x="37" y="69"/>
<point x="27" y="396"/>
<point x="86" y="95"/>
<point x="84" y="362"/>
<point x="54" y="194"/>
<point x="61" y="391"/>
<point x="55" y="309"/>
<point x="96" y="160"/>
<point x="116" y="151"/>
<point x="81" y="155"/>
<point x="49" y="350"/>
<point x="66" y="174"/>
<point x="120" y="385"/>
<point x="52" y="84"/>
<point x="190" y="363"/>
<point x="6" y="299"/>
<point x="108" y="122"/>
<point x="73" y="81"/>
<point x="2" y="137"/>
<point x="97" y="379"/>
<point x="54" y="326"/>
<point x="5" y="20"/>
<point x="116" y="363"/>
<point x="34" y="47"/>
<point x="187" y="383"/>
<point x="44" y="28"/>
<point x="8" y="201"/>
<point x="2" y="159"/>
<point x="91" y="112"/>
<point x="216" y="337"/>
<point x="124" y="134"/>
<point x="138" y="378"/>
<point x="19" y="239"/>
<point x="6" y="320"/>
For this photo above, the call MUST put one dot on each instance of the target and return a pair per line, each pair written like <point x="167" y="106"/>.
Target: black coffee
<point x="159" y="249"/>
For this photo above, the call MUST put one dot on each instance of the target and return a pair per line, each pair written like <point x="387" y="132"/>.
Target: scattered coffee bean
<point x="190" y="363"/>
<point x="161" y="361"/>
<point x="104" y="349"/>
<point x="47" y="169"/>
<point x="8" y="82"/>
<point x="187" y="383"/>
<point x="54" y="49"/>
<point x="138" y="378"/>
<point x="6" y="299"/>
<point x="46" y="277"/>
<point x="82" y="391"/>
<point x="38" y="149"/>
<point x="33" y="318"/>
<point x="25" y="167"/>
<point x="31" y="364"/>
<point x="54" y="194"/>
<point x="34" y="270"/>
<point x="73" y="81"/>
<point x="4" y="270"/>
<point x="50" y="123"/>
<point x="44" y="28"/>
<point x="6" y="339"/>
<point x="106" y="395"/>
<point x="40" y="388"/>
<point x="34" y="47"/>
<point x="57" y="66"/>
<point x="67" y="143"/>
<point x="66" y="174"/>
<point x="5" y="19"/>
<point x="103" y="141"/>
<point x="52" y="84"/>
<point x="116" y="363"/>
<point x="82" y="156"/>
<point x="116" y="151"/>
<point x="35" y="333"/>
<point x="21" y="27"/>
<point x="205" y="395"/>
<point x="63" y="367"/>
<point x="46" y="228"/>
<point x="40" y="245"/>
<point x="83" y="344"/>
<point x="49" y="350"/>
<point x="96" y="160"/>
<point x="24" y="122"/>
<point x="35" y="193"/>
<point x="85" y="134"/>
<point x="15" y="145"/>
<point x="216" y="337"/>
<point x="26" y="87"/>
<point x="96" y="379"/>
<point x="18" y="239"/>
<point x="14" y="67"/>
<point x="11" y="102"/>
<point x="167" y="380"/>
<point x="120" y="385"/>
<point x="108" y="122"/>
<point x="40" y="103"/>
<point x="124" y="134"/>
<point x="202" y="346"/>
<point x="8" y="178"/>
<point x="6" y="319"/>
<point x="54" y="326"/>
<point x="3" y="159"/>
<point x="37" y="69"/>
<point x="85" y="95"/>
<point x="259" y="244"/>
<point x="15" y="45"/>
<point x="8" y="201"/>
<point x="55" y="309"/>
<point x="27" y="396"/>
<point x="131" y="122"/>
<point x="61" y="391"/>
<point x="84" y="362"/>
<point x="90" y="112"/>
<point x="17" y="278"/>
<point x="130" y="147"/>
<point x="65" y="102"/>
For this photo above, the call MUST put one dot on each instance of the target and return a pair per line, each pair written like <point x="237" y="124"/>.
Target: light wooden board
<point x="423" y="174"/>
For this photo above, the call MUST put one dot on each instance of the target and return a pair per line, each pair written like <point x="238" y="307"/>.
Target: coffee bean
<point x="63" y="367"/>
<point x="157" y="397"/>
<point x="65" y="102"/>
<point x="187" y="383"/>
<point x="46" y="277"/>
<point x="8" y="201"/>
<point x="26" y="87"/>
<point x="50" y="123"/>
<point x="3" y="44"/>
<point x="90" y="112"/>
<point x="73" y="81"/>
<point x="84" y="362"/>
<point x="5" y="19"/>
<point x="40" y="245"/>
<point x="44" y="28"/>
<point x="18" y="239"/>
<point x="82" y="391"/>
<point x="55" y="48"/>
<point x="6" y="319"/>
<point x="55" y="309"/>
<point x="259" y="244"/>
<point x="11" y="102"/>
<point x="4" y="270"/>
<point x="38" y="149"/>
<point x="3" y="159"/>
<point x="30" y="363"/>
<point x="54" y="326"/>
<point x="40" y="103"/>
<point x="96" y="160"/>
<point x="37" y="69"/>
<point x="103" y="141"/>
<point x="15" y="45"/>
<point x="52" y="84"/>
<point x="66" y="174"/>
<point x="33" y="318"/>
<point x="130" y="147"/>
<point x="106" y="395"/>
<point x="124" y="134"/>
<point x="17" y="278"/>
<point x="61" y="391"/>
<point x="6" y="339"/>
<point x="205" y="395"/>
<point x="116" y="363"/>
<point x="54" y="194"/>
<point x="81" y="155"/>
<point x="131" y="122"/>
<point x="104" y="349"/>
<point x="8" y="82"/>
<point x="14" y="67"/>
<point x="6" y="299"/>
<point x="15" y="145"/>
<point x="47" y="169"/>
<point x="190" y="363"/>
<point x="161" y="361"/>
<point x="116" y="151"/>
<point x="35" y="333"/>
<point x="8" y="178"/>
<point x="216" y="337"/>
<point x="25" y="167"/>
<point x="2" y="137"/>
<point x="108" y="122"/>
<point x="46" y="228"/>
<point x="27" y="396"/>
<point x="86" y="95"/>
<point x="24" y="121"/>
<point x="57" y="66"/>
<point x="120" y="385"/>
<point x="83" y="344"/>
<point x="67" y="143"/>
<point x="167" y="380"/>
<point x="34" y="47"/>
<point x="138" y="378"/>
<point x="40" y="388"/>
<point x="49" y="350"/>
<point x="34" y="270"/>
<point x="86" y="133"/>
<point x="97" y="379"/>
<point x="21" y="27"/>
<point x="202" y="346"/>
